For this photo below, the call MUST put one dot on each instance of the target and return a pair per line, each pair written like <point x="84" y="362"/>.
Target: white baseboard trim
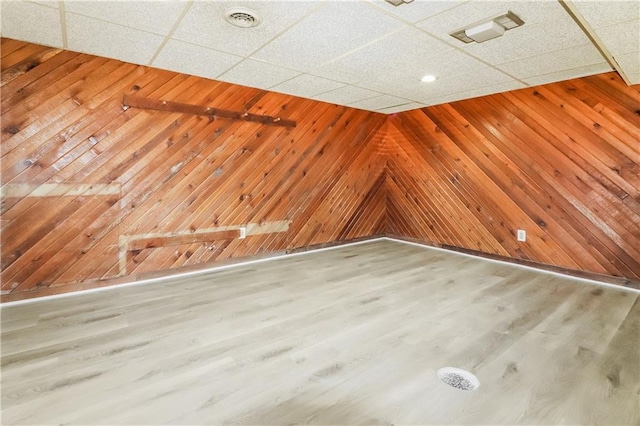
<point x="267" y="258"/>
<point x="310" y="251"/>
<point x="516" y="265"/>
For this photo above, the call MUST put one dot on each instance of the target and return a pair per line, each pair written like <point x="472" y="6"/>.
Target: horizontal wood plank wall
<point x="82" y="175"/>
<point x="561" y="161"/>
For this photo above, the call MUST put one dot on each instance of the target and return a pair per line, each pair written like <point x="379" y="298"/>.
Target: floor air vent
<point x="458" y="378"/>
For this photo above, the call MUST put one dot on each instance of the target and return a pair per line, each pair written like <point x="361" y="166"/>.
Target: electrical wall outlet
<point x="243" y="232"/>
<point x="522" y="235"/>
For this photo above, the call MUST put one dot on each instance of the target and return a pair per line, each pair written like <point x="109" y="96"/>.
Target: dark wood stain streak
<point x="510" y="370"/>
<point x="122" y="349"/>
<point x="73" y="381"/>
<point x="369" y="300"/>
<point x="275" y="353"/>
<point x="329" y="371"/>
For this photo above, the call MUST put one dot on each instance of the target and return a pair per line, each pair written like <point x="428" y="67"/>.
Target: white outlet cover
<point x="522" y="235"/>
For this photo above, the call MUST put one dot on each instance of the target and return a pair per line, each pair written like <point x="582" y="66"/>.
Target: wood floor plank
<point x="350" y="335"/>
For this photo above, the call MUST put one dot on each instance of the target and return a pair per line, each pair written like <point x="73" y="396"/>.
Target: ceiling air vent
<point x="488" y="28"/>
<point x="242" y="17"/>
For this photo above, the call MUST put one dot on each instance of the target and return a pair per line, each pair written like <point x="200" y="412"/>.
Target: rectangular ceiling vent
<point x="488" y="28"/>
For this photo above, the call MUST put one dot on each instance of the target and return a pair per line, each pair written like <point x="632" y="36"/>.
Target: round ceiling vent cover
<point x="242" y="17"/>
<point x="458" y="378"/>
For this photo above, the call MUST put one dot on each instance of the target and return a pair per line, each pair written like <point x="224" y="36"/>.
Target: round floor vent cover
<point x="242" y="17"/>
<point x="458" y="378"/>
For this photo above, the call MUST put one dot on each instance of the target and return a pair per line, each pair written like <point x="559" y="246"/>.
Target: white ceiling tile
<point x="568" y="74"/>
<point x="346" y="95"/>
<point x="204" y="24"/>
<point x="418" y="9"/>
<point x="396" y="88"/>
<point x="551" y="62"/>
<point x="498" y="88"/>
<point x="379" y="102"/>
<point x="617" y="25"/>
<point x="152" y="16"/>
<point x="194" y="60"/>
<point x="307" y="86"/>
<point x="48" y="3"/>
<point x="257" y="74"/>
<point x="485" y="77"/>
<point x="113" y="41"/>
<point x="602" y="13"/>
<point x="452" y="63"/>
<point x="621" y="38"/>
<point x="418" y="91"/>
<point x="31" y="22"/>
<point x="390" y="56"/>
<point x="333" y="30"/>
<point x="446" y="99"/>
<point x="405" y="78"/>
<point x="405" y="107"/>
<point x="465" y="82"/>
<point x="453" y="97"/>
<point x="630" y="65"/>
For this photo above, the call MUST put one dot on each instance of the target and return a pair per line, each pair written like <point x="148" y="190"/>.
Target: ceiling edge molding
<point x="584" y="25"/>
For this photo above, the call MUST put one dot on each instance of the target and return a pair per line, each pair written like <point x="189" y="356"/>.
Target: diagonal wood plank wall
<point x="82" y="178"/>
<point x="81" y="175"/>
<point x="561" y="161"/>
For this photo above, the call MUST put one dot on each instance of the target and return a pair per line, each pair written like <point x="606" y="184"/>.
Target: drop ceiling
<point x="365" y="54"/>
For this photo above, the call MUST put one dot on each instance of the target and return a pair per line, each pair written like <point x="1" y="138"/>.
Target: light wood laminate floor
<point x="352" y="335"/>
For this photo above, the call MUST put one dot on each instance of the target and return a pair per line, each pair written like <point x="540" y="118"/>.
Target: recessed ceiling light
<point x="242" y="17"/>
<point x="428" y="78"/>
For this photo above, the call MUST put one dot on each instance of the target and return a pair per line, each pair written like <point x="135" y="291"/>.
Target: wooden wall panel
<point x="92" y="191"/>
<point x="82" y="178"/>
<point x="561" y="161"/>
